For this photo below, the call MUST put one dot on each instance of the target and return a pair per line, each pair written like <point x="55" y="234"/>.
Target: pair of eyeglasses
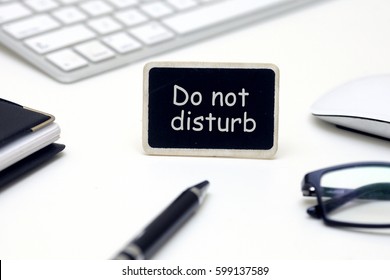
<point x="351" y="195"/>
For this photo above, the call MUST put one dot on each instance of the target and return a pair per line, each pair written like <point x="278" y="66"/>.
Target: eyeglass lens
<point x="357" y="195"/>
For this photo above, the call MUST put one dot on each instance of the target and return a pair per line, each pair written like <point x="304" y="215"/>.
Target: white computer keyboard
<point x="75" y="39"/>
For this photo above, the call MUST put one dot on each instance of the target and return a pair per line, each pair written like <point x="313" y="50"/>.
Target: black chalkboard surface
<point x="210" y="109"/>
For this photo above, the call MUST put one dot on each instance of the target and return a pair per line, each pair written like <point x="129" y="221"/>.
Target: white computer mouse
<point x="362" y="105"/>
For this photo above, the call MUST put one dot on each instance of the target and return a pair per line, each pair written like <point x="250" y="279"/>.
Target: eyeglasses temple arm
<point x="377" y="191"/>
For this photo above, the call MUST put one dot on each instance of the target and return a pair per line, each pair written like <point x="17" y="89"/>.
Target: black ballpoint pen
<point x="164" y="225"/>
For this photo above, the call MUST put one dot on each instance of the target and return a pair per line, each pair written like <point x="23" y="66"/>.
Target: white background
<point x="94" y="198"/>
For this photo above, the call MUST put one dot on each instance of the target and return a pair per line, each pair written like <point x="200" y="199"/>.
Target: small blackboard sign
<point x="211" y="109"/>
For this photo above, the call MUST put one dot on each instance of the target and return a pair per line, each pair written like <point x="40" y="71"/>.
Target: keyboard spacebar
<point x="212" y="14"/>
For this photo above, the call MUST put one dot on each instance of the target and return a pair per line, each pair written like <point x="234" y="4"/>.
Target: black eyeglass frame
<point x="311" y="186"/>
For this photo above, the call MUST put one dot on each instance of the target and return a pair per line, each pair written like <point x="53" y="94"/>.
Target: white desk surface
<point x="103" y="190"/>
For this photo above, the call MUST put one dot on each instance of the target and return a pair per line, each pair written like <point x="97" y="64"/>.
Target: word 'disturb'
<point x="187" y="121"/>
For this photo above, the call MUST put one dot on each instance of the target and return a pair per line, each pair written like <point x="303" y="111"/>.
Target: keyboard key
<point x="183" y="4"/>
<point x="69" y="1"/>
<point x="58" y="39"/>
<point x="122" y="42"/>
<point x="31" y="26"/>
<point x="131" y="17"/>
<point x="124" y="3"/>
<point x="156" y="9"/>
<point x="96" y="8"/>
<point x="95" y="51"/>
<point x="13" y="11"/>
<point x="151" y="33"/>
<point x="104" y="25"/>
<point x="206" y="16"/>
<point x="41" y="5"/>
<point x="67" y="60"/>
<point x="69" y="15"/>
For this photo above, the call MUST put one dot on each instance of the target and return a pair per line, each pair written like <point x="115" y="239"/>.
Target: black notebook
<point x="27" y="139"/>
